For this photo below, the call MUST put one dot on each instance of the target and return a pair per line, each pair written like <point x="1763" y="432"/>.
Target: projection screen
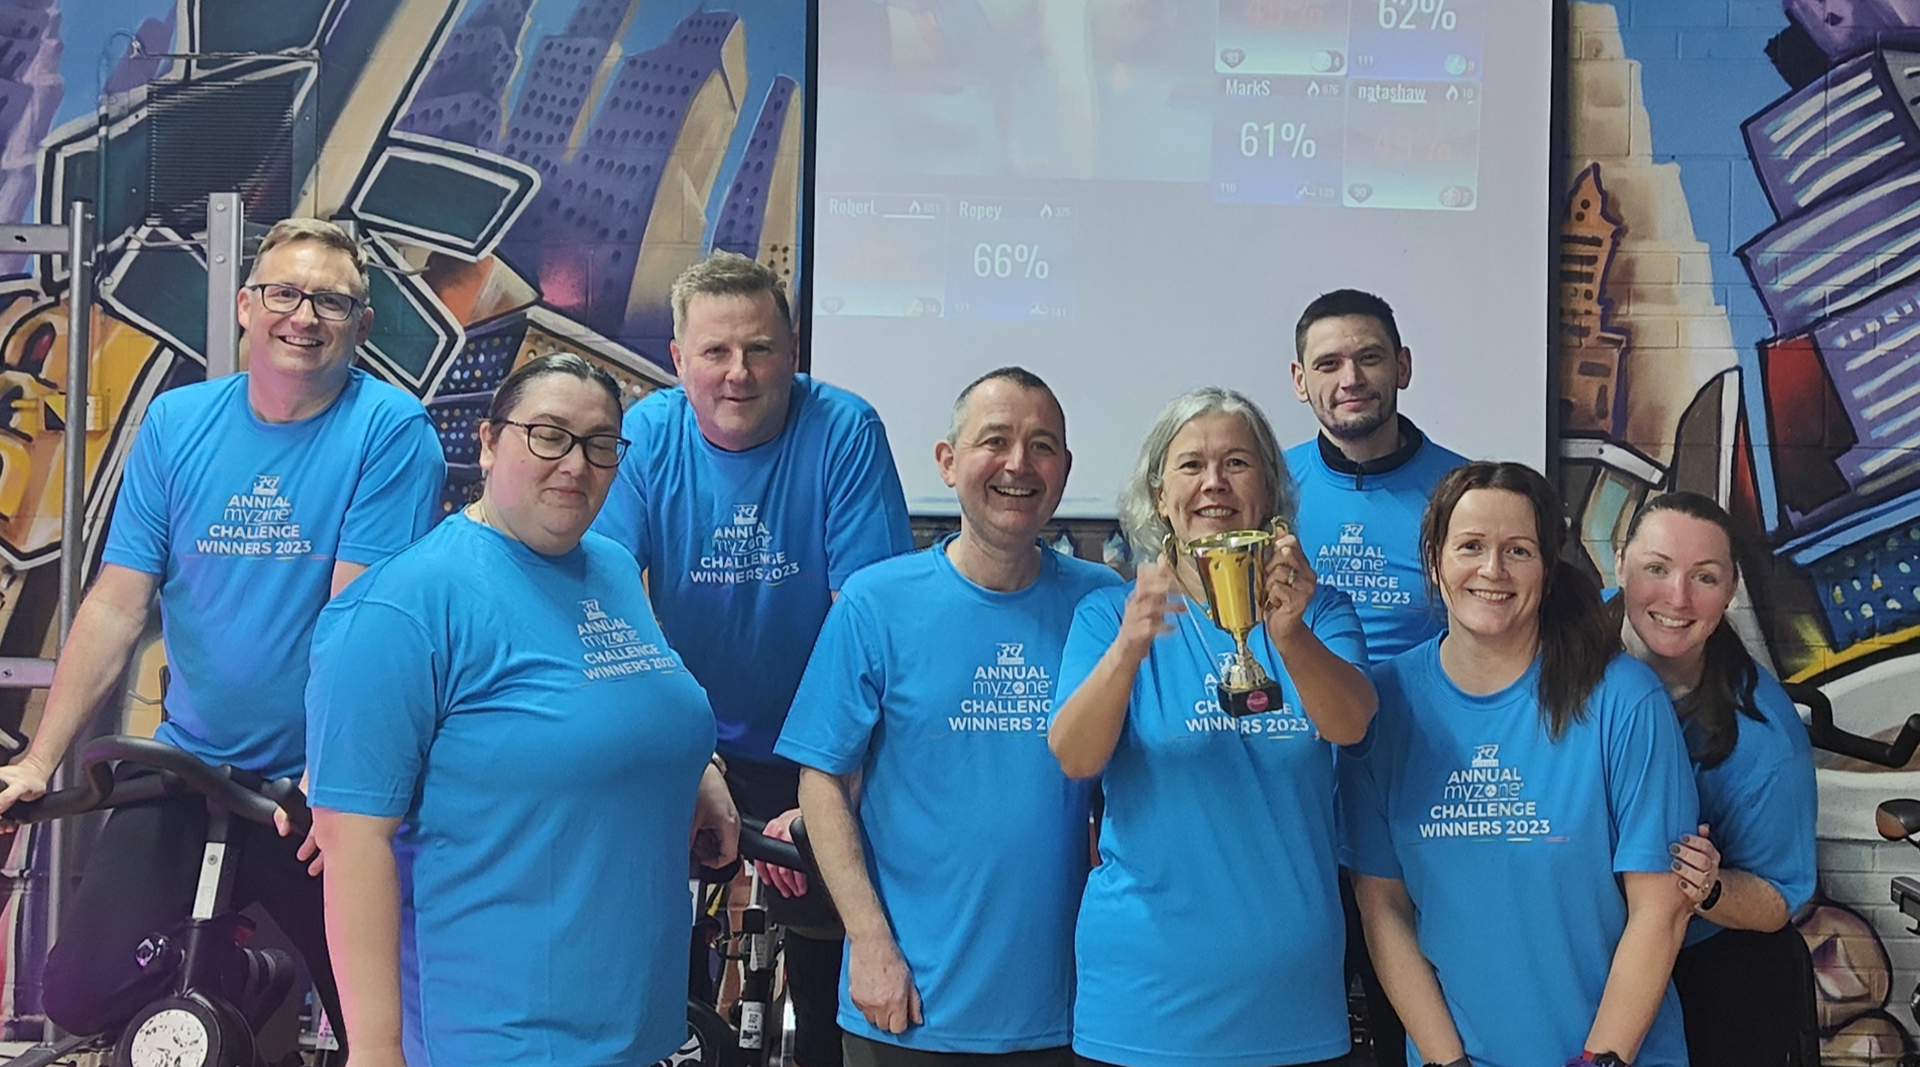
<point x="1132" y="198"/>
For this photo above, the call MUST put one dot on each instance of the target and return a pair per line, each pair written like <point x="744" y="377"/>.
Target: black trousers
<point x="863" y="1052"/>
<point x="814" y="940"/>
<point x="1384" y="1031"/>
<point x="1748" y="1000"/>
<point x="139" y="880"/>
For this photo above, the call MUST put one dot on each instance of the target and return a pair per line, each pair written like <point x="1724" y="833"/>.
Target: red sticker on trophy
<point x="1257" y="701"/>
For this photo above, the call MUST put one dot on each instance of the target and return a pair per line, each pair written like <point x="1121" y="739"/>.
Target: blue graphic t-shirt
<point x="1760" y="803"/>
<point x="743" y="550"/>
<point x="242" y="521"/>
<point x="524" y="715"/>
<point x="939" y="692"/>
<point x="1362" y="534"/>
<point x="1211" y="933"/>
<point x="1509" y="844"/>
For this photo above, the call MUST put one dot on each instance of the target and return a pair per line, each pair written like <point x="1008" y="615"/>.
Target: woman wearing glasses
<point x="507" y="761"/>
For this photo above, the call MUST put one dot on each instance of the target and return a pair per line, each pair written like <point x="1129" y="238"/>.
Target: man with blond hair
<point x="247" y="502"/>
<point x="750" y="494"/>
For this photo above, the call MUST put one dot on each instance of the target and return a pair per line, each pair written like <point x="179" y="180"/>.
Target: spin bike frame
<point x="212" y="927"/>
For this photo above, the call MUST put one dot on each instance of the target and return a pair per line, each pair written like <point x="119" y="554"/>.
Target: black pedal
<point x="1252" y="702"/>
<point x="157" y="954"/>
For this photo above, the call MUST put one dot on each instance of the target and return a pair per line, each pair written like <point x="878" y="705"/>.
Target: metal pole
<point x="226" y="221"/>
<point x="73" y="520"/>
<point x="73" y="527"/>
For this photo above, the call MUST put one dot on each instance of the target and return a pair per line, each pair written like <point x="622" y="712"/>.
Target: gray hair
<point x="1140" y="517"/>
<point x="727" y="274"/>
<point x="1019" y="376"/>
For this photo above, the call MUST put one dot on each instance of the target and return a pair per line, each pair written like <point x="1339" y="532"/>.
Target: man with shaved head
<point x="948" y="836"/>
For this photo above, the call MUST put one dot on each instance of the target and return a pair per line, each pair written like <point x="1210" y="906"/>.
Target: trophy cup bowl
<point x="1232" y="568"/>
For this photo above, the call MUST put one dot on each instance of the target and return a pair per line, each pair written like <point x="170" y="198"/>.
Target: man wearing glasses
<point x="247" y="502"/>
<point x="749" y="496"/>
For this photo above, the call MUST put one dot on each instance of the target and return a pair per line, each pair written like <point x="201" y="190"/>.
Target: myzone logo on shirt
<point x="257" y="523"/>
<point x="741" y="551"/>
<point x="613" y="648"/>
<point x="1486" y="800"/>
<point x="1009" y="695"/>
<point x="1359" y="570"/>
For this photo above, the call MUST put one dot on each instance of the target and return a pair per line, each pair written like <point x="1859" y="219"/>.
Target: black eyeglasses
<point x="286" y="299"/>
<point x="548" y="441"/>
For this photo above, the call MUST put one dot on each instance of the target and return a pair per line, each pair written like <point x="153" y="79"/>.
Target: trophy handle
<point x="1279" y="528"/>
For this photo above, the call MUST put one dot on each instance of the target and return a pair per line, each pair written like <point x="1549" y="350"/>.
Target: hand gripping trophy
<point x="1231" y="566"/>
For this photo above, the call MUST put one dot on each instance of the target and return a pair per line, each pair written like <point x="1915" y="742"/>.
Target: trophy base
<point x="1238" y="702"/>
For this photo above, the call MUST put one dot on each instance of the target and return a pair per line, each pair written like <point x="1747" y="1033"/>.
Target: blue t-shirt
<point x="1362" y="534"/>
<point x="939" y="692"/>
<point x="744" y="549"/>
<point x="524" y="715"/>
<point x="1211" y="933"/>
<point x="1760" y="804"/>
<point x="1509" y="844"/>
<point x="241" y="522"/>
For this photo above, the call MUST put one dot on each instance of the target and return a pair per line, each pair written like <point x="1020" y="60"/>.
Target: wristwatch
<point x="1461" y="1062"/>
<point x="1597" y="1059"/>
<point x="1713" y="897"/>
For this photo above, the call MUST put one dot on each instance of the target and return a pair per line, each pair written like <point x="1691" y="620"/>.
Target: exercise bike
<point x="195" y="1025"/>
<point x="1895" y="820"/>
<point x="752" y="1037"/>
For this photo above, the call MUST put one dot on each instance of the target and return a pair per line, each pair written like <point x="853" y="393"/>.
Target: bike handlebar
<point x="1822" y="732"/>
<point x="755" y="845"/>
<point x="243" y="793"/>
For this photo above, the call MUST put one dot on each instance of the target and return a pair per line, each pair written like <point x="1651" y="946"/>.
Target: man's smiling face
<point x="298" y="344"/>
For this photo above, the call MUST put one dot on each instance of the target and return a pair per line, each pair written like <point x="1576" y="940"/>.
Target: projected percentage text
<point x="1275" y="136"/>
<point x="1413" y="15"/>
<point x="1005" y="260"/>
<point x="1411" y="144"/>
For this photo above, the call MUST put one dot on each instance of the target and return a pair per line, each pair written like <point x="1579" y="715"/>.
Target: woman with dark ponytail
<point x="1508" y="815"/>
<point x="1744" y="977"/>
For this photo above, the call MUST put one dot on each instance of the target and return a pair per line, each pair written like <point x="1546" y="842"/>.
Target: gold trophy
<point x="1232" y="568"/>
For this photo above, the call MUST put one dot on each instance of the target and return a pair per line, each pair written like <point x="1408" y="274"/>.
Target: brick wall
<point x="1691" y="365"/>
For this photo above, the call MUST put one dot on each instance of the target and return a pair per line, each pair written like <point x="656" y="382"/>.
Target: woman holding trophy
<point x="1508" y="817"/>
<point x="1206" y="696"/>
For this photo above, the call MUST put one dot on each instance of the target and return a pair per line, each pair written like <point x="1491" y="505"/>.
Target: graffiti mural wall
<point x="1741" y="316"/>
<point x="1740" y="289"/>
<point x="528" y="175"/>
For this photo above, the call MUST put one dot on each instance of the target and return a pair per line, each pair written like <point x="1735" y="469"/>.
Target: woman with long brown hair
<point x="1744" y="976"/>
<point x="1509" y="814"/>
